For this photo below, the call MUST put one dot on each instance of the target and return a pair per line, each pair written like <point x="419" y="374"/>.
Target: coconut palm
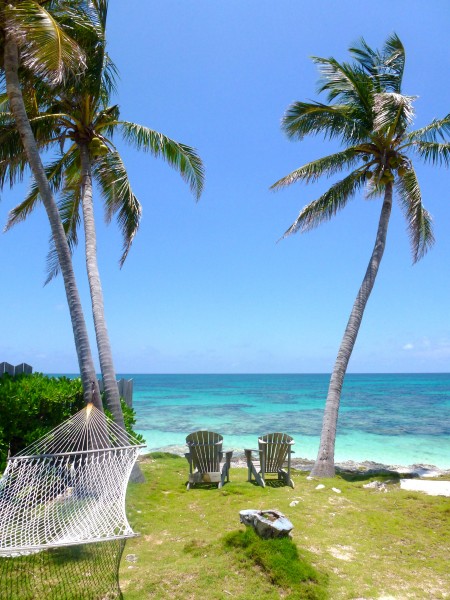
<point x="371" y="117"/>
<point x="33" y="40"/>
<point x="81" y="116"/>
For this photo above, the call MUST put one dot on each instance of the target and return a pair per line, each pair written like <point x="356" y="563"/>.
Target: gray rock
<point x="131" y="557"/>
<point x="267" y="523"/>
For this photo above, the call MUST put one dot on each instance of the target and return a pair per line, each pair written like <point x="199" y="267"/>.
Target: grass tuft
<point x="158" y="455"/>
<point x="281" y="562"/>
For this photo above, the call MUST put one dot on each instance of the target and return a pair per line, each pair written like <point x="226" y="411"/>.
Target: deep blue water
<point x="390" y="418"/>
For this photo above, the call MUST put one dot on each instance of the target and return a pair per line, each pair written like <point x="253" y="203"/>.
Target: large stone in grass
<point x="267" y="523"/>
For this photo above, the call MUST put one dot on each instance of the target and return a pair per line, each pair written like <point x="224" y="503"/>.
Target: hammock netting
<point x="82" y="572"/>
<point x="69" y="487"/>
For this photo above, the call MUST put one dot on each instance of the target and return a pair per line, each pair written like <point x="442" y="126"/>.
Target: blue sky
<point x="206" y="287"/>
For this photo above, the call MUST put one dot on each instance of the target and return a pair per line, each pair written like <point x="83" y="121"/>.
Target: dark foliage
<point x="32" y="405"/>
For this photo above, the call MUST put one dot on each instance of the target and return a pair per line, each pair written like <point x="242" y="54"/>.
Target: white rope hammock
<point x="68" y="487"/>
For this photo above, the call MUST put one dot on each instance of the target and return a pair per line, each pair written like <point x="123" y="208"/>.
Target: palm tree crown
<point x="80" y="114"/>
<point x="35" y="46"/>
<point x="371" y="117"/>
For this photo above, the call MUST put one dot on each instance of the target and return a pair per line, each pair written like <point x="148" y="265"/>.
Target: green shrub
<point x="32" y="405"/>
<point x="129" y="417"/>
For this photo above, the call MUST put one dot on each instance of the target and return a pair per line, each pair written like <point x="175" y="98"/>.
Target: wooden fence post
<point x="6" y="368"/>
<point x="125" y="389"/>
<point x="15" y="370"/>
<point x="23" y="368"/>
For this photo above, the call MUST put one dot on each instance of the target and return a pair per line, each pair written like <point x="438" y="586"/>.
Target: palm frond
<point x="105" y="121"/>
<point x="344" y="82"/>
<point x="312" y="118"/>
<point x="45" y="48"/>
<point x="4" y="102"/>
<point x="325" y="207"/>
<point x="110" y="75"/>
<point x="368" y="58"/>
<point x="13" y="159"/>
<point x="391" y="76"/>
<point x="328" y="166"/>
<point x="392" y="113"/>
<point x="437" y="129"/>
<point x="55" y="173"/>
<point x="183" y="158"/>
<point x="418" y="219"/>
<point x="386" y="67"/>
<point x="112" y="178"/>
<point x="69" y="210"/>
<point x="434" y="152"/>
<point x="101" y="6"/>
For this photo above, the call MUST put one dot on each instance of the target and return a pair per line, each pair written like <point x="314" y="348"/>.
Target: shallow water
<point x="393" y="419"/>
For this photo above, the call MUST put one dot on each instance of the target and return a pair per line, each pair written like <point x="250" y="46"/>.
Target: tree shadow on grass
<point x="381" y="475"/>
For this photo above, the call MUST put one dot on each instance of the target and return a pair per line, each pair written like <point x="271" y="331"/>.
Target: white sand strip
<point x="433" y="488"/>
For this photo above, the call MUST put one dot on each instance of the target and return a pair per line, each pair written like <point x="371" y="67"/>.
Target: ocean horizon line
<point x="260" y="373"/>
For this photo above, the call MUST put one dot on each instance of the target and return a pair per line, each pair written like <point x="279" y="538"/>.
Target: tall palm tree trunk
<point x="86" y="364"/>
<point x="324" y="465"/>
<point x="98" y="310"/>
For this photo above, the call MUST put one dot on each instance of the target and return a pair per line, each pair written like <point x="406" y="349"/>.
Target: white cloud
<point x="408" y="347"/>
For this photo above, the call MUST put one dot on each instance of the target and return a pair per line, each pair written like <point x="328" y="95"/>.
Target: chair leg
<point x="259" y="478"/>
<point x="224" y="475"/>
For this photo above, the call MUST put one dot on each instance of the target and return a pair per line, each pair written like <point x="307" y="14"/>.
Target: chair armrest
<point x="251" y="450"/>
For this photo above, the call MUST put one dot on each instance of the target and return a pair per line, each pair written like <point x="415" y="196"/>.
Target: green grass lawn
<point x="360" y="543"/>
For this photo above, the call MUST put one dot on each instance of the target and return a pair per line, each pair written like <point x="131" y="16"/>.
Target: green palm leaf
<point x="434" y="152"/>
<point x="45" y="48"/>
<point x="112" y="178"/>
<point x="347" y="83"/>
<point x="368" y="58"/>
<point x="394" y="63"/>
<point x="55" y="173"/>
<point x="419" y="220"/>
<point x="183" y="158"/>
<point x="325" y="207"/>
<point x="312" y="118"/>
<point x="329" y="165"/>
<point x="69" y="210"/>
<point x="436" y="130"/>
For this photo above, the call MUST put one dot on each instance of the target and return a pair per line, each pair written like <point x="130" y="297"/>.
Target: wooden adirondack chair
<point x="274" y="452"/>
<point x="205" y="457"/>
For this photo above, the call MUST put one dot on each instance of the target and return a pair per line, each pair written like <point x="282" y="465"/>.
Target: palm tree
<point x="368" y="113"/>
<point x="33" y="40"/>
<point x="81" y="114"/>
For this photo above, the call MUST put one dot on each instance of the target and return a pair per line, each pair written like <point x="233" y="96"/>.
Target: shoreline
<point x="366" y="467"/>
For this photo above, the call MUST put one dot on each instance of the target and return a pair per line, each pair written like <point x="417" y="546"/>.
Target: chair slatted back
<point x="275" y="447"/>
<point x="205" y="448"/>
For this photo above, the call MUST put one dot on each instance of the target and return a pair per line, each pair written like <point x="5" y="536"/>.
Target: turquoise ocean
<point x="387" y="418"/>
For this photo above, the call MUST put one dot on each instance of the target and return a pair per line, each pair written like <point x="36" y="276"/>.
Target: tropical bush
<point x="32" y="405"/>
